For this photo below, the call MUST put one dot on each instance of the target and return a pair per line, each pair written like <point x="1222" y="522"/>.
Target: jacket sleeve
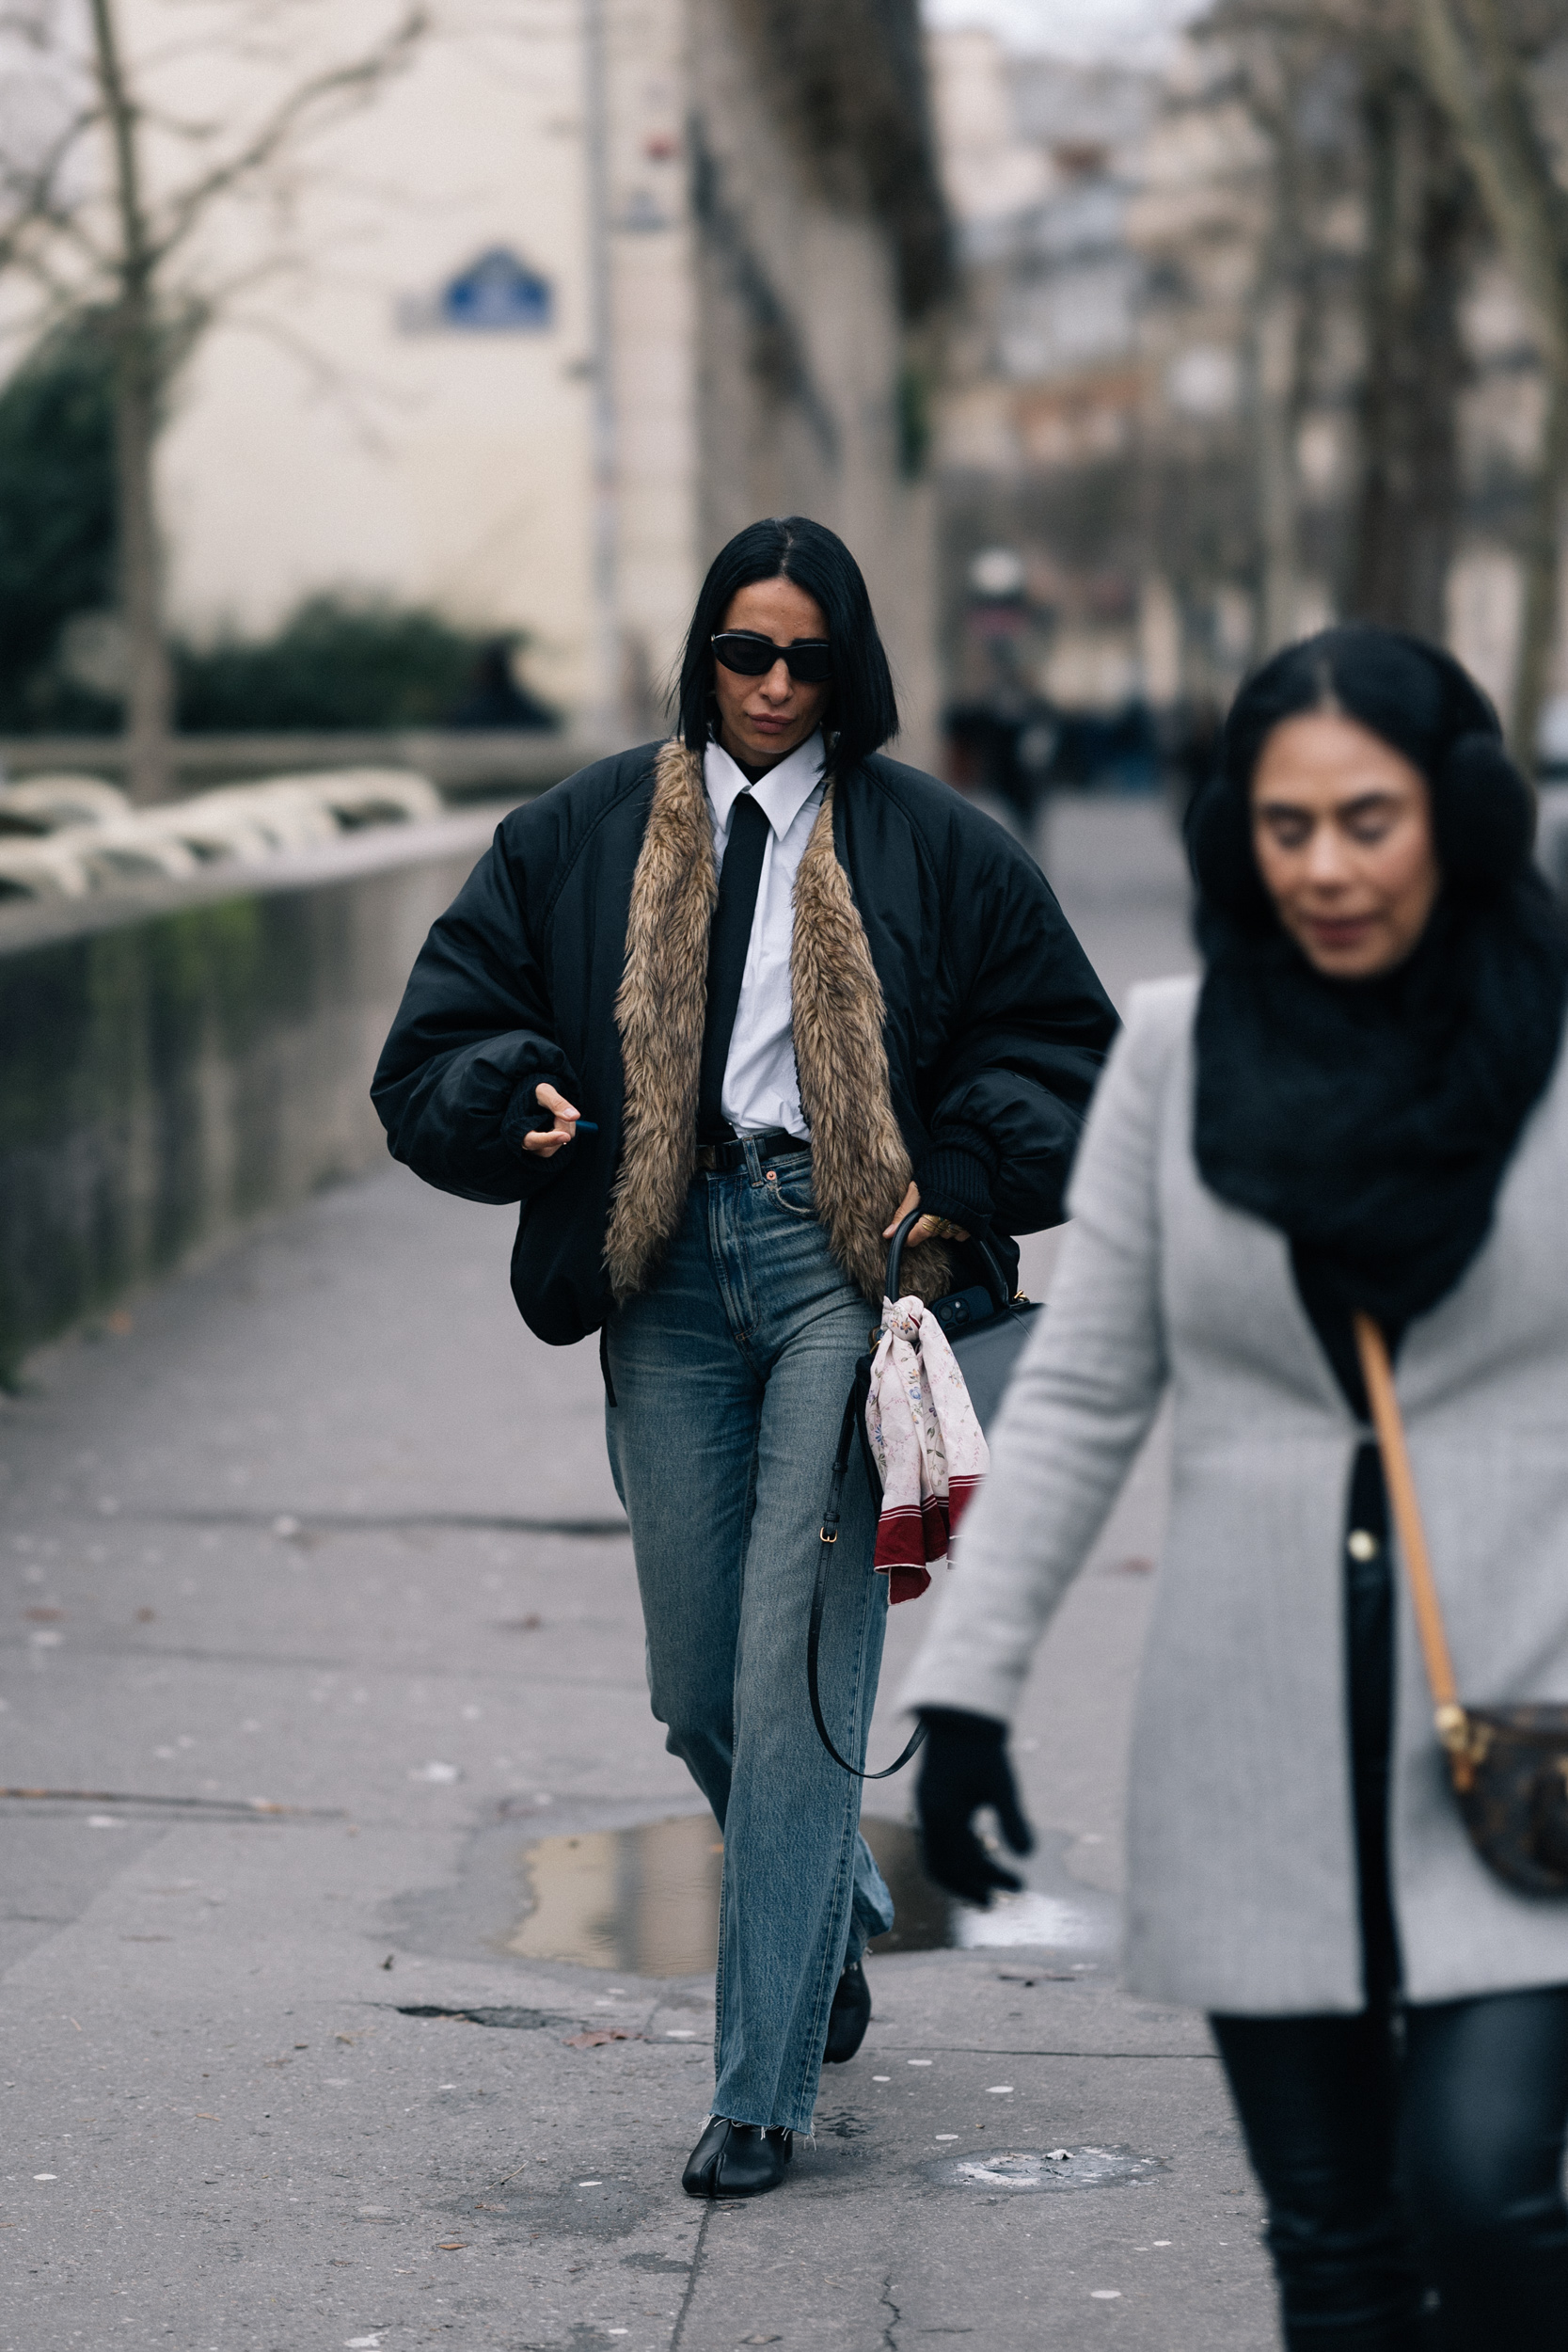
<point x="1032" y="1032"/>
<point x="473" y="1036"/>
<point x="1080" y="1405"/>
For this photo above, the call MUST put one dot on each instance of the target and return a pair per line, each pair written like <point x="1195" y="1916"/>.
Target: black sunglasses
<point x="810" y="660"/>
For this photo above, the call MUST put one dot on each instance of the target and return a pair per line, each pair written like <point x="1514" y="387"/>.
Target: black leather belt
<point x="724" y="1158"/>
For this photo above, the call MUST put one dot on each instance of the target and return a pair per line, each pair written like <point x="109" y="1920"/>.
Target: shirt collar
<point x="782" y="793"/>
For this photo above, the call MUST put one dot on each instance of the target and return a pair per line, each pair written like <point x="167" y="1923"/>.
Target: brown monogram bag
<point x="1508" y="1766"/>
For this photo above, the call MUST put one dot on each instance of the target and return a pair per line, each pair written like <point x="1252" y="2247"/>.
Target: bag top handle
<point x="1448" y="1715"/>
<point x="995" y="1281"/>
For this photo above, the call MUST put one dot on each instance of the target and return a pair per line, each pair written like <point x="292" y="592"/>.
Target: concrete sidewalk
<point x="325" y="1527"/>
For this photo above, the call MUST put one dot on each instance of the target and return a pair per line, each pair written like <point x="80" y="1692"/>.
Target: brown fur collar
<point x="860" y="1167"/>
<point x="658" y="1010"/>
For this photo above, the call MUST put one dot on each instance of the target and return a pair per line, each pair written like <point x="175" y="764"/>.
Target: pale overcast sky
<point x="1132" y="30"/>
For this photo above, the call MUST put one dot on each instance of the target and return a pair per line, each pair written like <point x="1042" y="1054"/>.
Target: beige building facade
<point x="588" y="285"/>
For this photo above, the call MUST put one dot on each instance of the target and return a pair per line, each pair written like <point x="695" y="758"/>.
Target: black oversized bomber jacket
<point x="995" y="1025"/>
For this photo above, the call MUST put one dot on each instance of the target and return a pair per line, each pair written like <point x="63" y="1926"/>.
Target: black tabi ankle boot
<point x="736" y="2160"/>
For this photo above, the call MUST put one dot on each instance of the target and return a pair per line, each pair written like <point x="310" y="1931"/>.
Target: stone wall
<point x="173" y="1068"/>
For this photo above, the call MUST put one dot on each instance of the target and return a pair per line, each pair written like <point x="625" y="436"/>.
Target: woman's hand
<point x="928" y="1228"/>
<point x="546" y="1141"/>
<point x="966" y="1767"/>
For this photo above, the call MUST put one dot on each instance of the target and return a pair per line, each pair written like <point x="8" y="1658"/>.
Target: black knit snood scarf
<point x="1371" y="1121"/>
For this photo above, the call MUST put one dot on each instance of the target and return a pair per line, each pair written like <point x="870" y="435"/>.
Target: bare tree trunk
<point x="148" y="685"/>
<point x="138" y="353"/>
<point x="1474" y="71"/>
<point x="1275" y="363"/>
<point x="1538" y="628"/>
<point x="1275" y="372"/>
<point x="1420" y="223"/>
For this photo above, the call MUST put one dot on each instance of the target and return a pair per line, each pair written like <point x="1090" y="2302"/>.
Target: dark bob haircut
<point x="1418" y="700"/>
<point x="863" y="714"/>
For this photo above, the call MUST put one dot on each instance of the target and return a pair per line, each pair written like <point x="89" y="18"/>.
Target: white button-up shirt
<point x="761" y="1088"/>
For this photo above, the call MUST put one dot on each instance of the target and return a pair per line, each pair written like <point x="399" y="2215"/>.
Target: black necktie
<point x="728" y="940"/>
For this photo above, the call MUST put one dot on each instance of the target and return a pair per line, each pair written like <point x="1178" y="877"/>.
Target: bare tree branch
<point x="1476" y="74"/>
<point x="350" y="85"/>
<point x="115" y="248"/>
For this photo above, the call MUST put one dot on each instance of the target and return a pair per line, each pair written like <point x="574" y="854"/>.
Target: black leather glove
<point x="966" y="1767"/>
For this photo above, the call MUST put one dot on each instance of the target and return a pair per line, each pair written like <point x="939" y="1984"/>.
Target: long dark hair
<point x="1370" y="1120"/>
<point x="863" y="713"/>
<point x="1417" y="698"/>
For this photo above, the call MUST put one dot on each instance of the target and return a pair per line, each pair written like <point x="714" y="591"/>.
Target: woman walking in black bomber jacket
<point x="800" y="990"/>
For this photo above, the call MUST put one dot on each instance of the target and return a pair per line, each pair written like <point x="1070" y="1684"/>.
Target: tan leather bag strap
<point x="1452" y="1728"/>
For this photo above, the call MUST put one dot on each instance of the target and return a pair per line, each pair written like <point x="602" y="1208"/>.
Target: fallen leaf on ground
<point x="450" y="2245"/>
<point x="599" y="2034"/>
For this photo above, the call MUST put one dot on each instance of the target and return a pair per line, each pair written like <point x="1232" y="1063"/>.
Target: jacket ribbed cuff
<point x="954" y="1180"/>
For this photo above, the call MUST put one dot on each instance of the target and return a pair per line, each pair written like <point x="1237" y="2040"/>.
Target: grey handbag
<point x="986" y="1331"/>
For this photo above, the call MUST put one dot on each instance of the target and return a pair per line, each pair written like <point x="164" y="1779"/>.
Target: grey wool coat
<point x="1242" y="1858"/>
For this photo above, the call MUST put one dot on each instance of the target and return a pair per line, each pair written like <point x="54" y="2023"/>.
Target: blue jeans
<point x="729" y="1375"/>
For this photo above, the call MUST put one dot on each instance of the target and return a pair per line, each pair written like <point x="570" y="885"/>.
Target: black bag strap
<point x="829" y="1537"/>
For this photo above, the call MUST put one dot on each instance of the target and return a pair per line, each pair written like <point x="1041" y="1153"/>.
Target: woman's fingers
<point x="910" y="1201"/>
<point x="935" y="1228"/>
<point x="962" y="1865"/>
<point x="928" y="1227"/>
<point x="548" y="1141"/>
<point x="965" y="1769"/>
<point x="1010" y="1815"/>
<point x="957" y="1859"/>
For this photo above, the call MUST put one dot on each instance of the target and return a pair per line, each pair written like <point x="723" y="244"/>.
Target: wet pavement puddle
<point x="645" y="1899"/>
<point x="1032" y="2171"/>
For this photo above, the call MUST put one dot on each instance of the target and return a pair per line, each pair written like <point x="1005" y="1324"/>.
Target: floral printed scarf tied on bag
<point x="930" y="1449"/>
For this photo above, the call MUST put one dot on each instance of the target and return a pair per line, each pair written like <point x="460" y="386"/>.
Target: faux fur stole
<point x="860" y="1167"/>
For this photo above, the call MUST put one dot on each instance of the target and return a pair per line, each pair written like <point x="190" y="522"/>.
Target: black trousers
<point x="1402" y="2155"/>
<point x="1411" y="2157"/>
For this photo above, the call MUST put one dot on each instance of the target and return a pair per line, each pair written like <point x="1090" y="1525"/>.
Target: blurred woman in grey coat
<point x="1362" y="1105"/>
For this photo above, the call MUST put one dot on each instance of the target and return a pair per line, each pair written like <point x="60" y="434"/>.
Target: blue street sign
<point x="497" y="294"/>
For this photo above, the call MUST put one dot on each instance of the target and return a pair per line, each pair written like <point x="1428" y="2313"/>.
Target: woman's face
<point x="1341" y="830"/>
<point x="762" y="718"/>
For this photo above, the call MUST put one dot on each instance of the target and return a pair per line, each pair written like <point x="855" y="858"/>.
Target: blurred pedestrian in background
<point x="800" y="991"/>
<point x="1361" y="1106"/>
